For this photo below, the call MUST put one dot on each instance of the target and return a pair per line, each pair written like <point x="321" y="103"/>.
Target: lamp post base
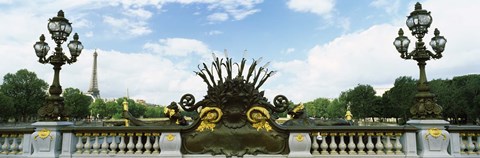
<point x="432" y="138"/>
<point x="46" y="139"/>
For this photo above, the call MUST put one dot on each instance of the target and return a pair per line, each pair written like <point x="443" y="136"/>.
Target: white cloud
<point x="288" y="51"/>
<point x="238" y="9"/>
<point x="242" y="14"/>
<point x="324" y="9"/>
<point x="214" y="32"/>
<point x="177" y="47"/>
<point x="124" y="25"/>
<point x="319" y="7"/>
<point x="139" y="13"/>
<point x="363" y="57"/>
<point x="217" y="17"/>
<point x="368" y="56"/>
<point x="82" y="23"/>
<point x="390" y="7"/>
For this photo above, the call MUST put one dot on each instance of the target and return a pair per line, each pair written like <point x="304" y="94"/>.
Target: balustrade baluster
<point x="470" y="146"/>
<point x="379" y="144"/>
<point x="104" y="145"/>
<point x="478" y="143"/>
<point x="370" y="144"/>
<point x="87" y="146"/>
<point x="398" y="146"/>
<point x="156" y="145"/>
<point x="361" y="145"/>
<point x="351" y="144"/>
<point x="139" y="145"/>
<point x="388" y="144"/>
<point x="96" y="145"/>
<point x="20" y="146"/>
<point x="324" y="145"/>
<point x="148" y="145"/>
<point x="462" y="144"/>
<point x="122" y="144"/>
<point x="79" y="145"/>
<point x="113" y="144"/>
<point x="14" y="146"/>
<point x="342" y="146"/>
<point x="6" y="144"/>
<point x="130" y="144"/>
<point x="315" y="144"/>
<point x="333" y="144"/>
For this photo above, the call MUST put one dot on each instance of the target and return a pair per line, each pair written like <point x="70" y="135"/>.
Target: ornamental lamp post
<point x="60" y="28"/>
<point x="425" y="106"/>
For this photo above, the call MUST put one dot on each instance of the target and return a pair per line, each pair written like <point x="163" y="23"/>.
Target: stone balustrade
<point x="465" y="141"/>
<point x="117" y="141"/>
<point x="13" y="141"/>
<point x="323" y="141"/>
<point x="344" y="141"/>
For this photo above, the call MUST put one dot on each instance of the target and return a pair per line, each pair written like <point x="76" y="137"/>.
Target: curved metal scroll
<point x="280" y="104"/>
<point x="187" y="102"/>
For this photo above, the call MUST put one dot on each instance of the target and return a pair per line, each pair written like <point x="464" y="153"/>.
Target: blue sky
<point x="319" y="47"/>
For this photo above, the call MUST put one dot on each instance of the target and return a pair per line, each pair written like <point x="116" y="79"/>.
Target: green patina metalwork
<point x="418" y="22"/>
<point x="235" y="118"/>
<point x="60" y="28"/>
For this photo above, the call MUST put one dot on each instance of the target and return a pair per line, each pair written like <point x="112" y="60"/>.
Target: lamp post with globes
<point x="425" y="106"/>
<point x="60" y="28"/>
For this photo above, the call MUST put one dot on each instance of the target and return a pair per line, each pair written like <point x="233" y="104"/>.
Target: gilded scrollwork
<point x="258" y="116"/>
<point x="209" y="117"/>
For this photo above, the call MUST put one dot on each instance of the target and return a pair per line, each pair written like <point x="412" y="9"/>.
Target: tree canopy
<point x="27" y="91"/>
<point x="76" y="103"/>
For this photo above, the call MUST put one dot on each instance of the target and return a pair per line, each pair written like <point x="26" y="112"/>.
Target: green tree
<point x="27" y="91"/>
<point x="363" y="102"/>
<point x="7" y="107"/>
<point x="317" y="108"/>
<point x="105" y="110"/>
<point x="154" y="112"/>
<point x="337" y="108"/>
<point x="398" y="100"/>
<point x="76" y="103"/>
<point x="468" y="96"/>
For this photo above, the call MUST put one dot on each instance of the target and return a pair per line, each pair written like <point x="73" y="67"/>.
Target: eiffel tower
<point x="93" y="90"/>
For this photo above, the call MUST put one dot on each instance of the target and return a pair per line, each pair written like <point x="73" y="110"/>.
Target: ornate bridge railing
<point x="364" y="141"/>
<point x="465" y="141"/>
<point x="319" y="141"/>
<point x="14" y="140"/>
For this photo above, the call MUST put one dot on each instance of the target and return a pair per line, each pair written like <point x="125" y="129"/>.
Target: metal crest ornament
<point x="425" y="106"/>
<point x="299" y="138"/>
<point x="170" y="137"/>
<point x="435" y="133"/>
<point x="43" y="134"/>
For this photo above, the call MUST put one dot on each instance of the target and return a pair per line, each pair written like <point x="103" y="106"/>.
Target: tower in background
<point x="93" y="90"/>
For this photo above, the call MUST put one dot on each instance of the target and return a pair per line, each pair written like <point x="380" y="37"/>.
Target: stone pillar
<point x="409" y="143"/>
<point x="46" y="139"/>
<point x="455" y="143"/>
<point x="432" y="138"/>
<point x="170" y="144"/>
<point x="300" y="145"/>
<point x="69" y="142"/>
